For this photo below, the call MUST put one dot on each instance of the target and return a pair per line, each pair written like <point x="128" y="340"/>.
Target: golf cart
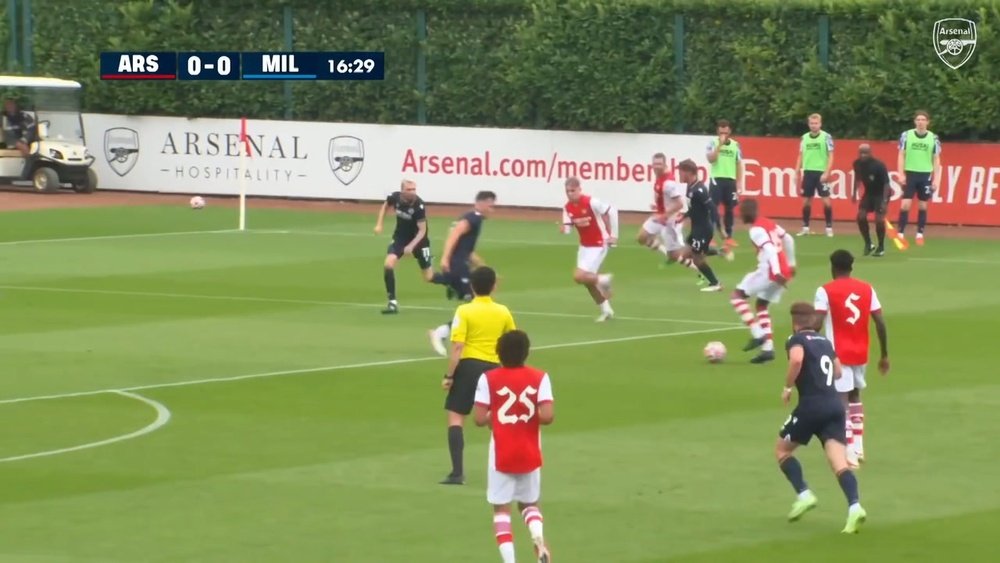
<point x="53" y="138"/>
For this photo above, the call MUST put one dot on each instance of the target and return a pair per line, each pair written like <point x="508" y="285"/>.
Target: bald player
<point x="873" y="173"/>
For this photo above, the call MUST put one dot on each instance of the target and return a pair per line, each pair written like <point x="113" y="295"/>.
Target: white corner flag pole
<point x="244" y="143"/>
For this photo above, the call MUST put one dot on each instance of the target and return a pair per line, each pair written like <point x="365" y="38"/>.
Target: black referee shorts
<point x="462" y="394"/>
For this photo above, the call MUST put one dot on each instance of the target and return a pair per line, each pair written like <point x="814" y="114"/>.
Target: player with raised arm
<point x="873" y="173"/>
<point x="596" y="222"/>
<point x="409" y="237"/>
<point x="812" y="368"/>
<point x="702" y="226"/>
<point x="845" y="306"/>
<point x="726" y="158"/>
<point x="775" y="267"/>
<point x="458" y="258"/>
<point x="813" y="166"/>
<point x="514" y="400"/>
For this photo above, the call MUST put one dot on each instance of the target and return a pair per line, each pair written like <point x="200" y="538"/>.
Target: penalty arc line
<point x="252" y="299"/>
<point x="162" y="418"/>
<point x="341" y="367"/>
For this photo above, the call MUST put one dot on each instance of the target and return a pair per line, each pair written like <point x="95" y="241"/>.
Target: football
<point x="197" y="202"/>
<point x="715" y="352"/>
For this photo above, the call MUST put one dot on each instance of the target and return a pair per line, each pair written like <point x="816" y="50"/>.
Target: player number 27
<point x="826" y="365"/>
<point x="504" y="415"/>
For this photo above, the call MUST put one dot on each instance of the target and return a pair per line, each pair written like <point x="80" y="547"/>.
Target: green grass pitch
<point x="304" y="426"/>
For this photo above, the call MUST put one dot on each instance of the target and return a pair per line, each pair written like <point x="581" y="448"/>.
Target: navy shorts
<point x="918" y="184"/>
<point x="699" y="240"/>
<point x="812" y="186"/>
<point x="826" y="421"/>
<point x="422" y="252"/>
<point x="723" y="190"/>
<point x="458" y="276"/>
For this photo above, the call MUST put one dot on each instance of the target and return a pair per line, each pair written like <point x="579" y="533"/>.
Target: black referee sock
<point x="865" y="230"/>
<point x="880" y="232"/>
<point x="390" y="283"/>
<point x="456" y="446"/>
<point x="706" y="271"/>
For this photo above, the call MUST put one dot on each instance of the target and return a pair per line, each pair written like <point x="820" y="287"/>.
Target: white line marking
<point x="162" y="418"/>
<point x="341" y="367"/>
<point x="955" y="261"/>
<point x="330" y="303"/>
<point x="112" y="237"/>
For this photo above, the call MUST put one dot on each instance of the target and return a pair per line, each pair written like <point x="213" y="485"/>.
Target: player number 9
<point x="194" y="66"/>
<point x="826" y="365"/>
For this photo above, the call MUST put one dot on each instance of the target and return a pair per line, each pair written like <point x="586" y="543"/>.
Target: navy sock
<point x="706" y="271"/>
<point x="921" y="220"/>
<point x="456" y="445"/>
<point x="828" y="215"/>
<point x="793" y="472"/>
<point x="715" y="215"/>
<point x="806" y="213"/>
<point x="729" y="220"/>
<point x="390" y="283"/>
<point x="849" y="484"/>
<point x="904" y="217"/>
<point x="440" y="278"/>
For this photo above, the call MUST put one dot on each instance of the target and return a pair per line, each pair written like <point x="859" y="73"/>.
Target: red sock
<point x="501" y="525"/>
<point x="856" y="416"/>
<point x="743" y="310"/>
<point x="533" y="520"/>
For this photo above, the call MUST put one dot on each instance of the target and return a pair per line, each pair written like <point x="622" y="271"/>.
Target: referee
<point x="475" y="330"/>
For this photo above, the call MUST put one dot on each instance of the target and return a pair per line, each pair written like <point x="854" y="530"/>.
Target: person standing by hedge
<point x="724" y="154"/>
<point x="919" y="162"/>
<point x="813" y="172"/>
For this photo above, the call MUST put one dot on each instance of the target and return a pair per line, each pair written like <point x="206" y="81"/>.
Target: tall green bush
<point x="598" y="65"/>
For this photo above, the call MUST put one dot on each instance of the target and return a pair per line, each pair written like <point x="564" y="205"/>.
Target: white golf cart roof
<point x="36" y="82"/>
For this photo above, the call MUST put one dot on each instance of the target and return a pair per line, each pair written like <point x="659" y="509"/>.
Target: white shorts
<point x="590" y="258"/>
<point x="759" y="284"/>
<point x="673" y="237"/>
<point x="505" y="488"/>
<point x="851" y="378"/>
<point x="653" y="227"/>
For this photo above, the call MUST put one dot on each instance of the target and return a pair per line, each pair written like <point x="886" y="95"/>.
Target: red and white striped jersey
<point x="769" y="238"/>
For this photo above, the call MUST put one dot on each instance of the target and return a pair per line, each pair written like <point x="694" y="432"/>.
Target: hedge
<point x="596" y="65"/>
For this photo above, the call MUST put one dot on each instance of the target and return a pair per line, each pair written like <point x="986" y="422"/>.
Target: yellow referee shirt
<point x="479" y="324"/>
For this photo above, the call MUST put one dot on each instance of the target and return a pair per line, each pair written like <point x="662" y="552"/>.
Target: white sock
<point x="606" y="306"/>
<point x="853" y="508"/>
<point x="442" y="332"/>
<point x="507" y="552"/>
<point x="804" y="494"/>
<point x="662" y="250"/>
<point x="603" y="279"/>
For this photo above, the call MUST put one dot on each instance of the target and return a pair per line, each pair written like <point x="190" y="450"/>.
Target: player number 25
<point x="504" y="415"/>
<point x="826" y="365"/>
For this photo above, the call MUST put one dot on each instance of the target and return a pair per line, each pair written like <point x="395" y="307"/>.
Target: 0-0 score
<point x="223" y="66"/>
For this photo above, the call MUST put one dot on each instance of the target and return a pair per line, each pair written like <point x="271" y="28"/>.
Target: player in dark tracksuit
<point x="873" y="173"/>
<point x="409" y="237"/>
<point x="699" y="211"/>
<point x="812" y="368"/>
<point x="459" y="257"/>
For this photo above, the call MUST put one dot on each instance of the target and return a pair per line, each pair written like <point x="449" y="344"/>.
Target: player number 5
<point x="826" y="365"/>
<point x="504" y="415"/>
<point x="855" y="312"/>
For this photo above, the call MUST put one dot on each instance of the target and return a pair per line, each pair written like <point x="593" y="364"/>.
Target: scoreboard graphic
<point x="223" y="65"/>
